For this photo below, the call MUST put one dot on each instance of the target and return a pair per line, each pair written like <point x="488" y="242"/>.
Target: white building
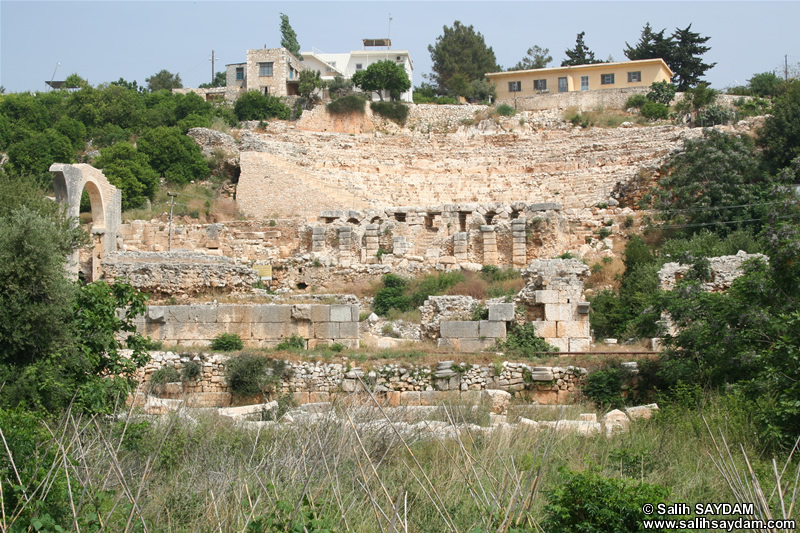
<point x="348" y="63"/>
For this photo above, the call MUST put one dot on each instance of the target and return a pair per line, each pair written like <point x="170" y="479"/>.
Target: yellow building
<point x="623" y="74"/>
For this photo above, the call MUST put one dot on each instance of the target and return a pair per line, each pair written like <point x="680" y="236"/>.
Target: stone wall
<point x="554" y="302"/>
<point x="581" y="100"/>
<point x="259" y="325"/>
<point x="398" y="383"/>
<point x="723" y="270"/>
<point x="179" y="273"/>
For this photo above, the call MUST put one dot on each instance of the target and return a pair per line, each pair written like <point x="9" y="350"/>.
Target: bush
<point x="191" y="371"/>
<point x="505" y="110"/>
<point x="655" y="110"/>
<point x="434" y="284"/>
<point x="522" y="341"/>
<point x="247" y="374"/>
<point x="604" y="386"/>
<point x="636" y="101"/>
<point x="352" y="103"/>
<point x="394" y="111"/>
<point x="391" y="296"/>
<point x="165" y="374"/>
<point x="294" y="342"/>
<point x="715" y="114"/>
<point x="592" y="503"/>
<point x="337" y="347"/>
<point x="662" y="92"/>
<point x="253" y="105"/>
<point x="227" y="342"/>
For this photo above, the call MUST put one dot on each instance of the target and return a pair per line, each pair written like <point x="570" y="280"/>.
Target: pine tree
<point x="289" y="37"/>
<point x="651" y="45"/>
<point x="580" y="55"/>
<point x="462" y="53"/>
<point x="685" y="61"/>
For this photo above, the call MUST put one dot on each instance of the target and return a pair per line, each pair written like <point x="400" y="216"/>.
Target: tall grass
<point x="357" y="468"/>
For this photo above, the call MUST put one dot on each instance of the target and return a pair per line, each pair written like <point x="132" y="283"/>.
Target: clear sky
<point x="105" y="40"/>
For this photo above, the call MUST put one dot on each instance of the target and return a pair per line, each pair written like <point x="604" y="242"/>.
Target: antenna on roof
<point x="389" y="33"/>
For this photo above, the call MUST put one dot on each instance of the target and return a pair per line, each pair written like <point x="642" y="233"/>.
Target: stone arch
<point x="69" y="181"/>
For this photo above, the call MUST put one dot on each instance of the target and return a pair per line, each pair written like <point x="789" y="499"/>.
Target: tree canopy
<point x="536" y="57"/>
<point x="58" y="340"/>
<point x="173" y="155"/>
<point x="289" y="37"/>
<point x="580" y="55"/>
<point x="682" y="51"/>
<point x="164" y="79"/>
<point x="220" y="80"/>
<point x="383" y="76"/>
<point x="461" y="51"/>
<point x="718" y="181"/>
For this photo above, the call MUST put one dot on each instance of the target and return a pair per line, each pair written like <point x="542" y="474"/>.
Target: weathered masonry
<point x="69" y="182"/>
<point x="263" y="325"/>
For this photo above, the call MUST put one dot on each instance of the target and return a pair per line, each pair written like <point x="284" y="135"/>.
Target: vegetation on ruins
<point x="351" y="103"/>
<point x="227" y="342"/>
<point x="220" y="80"/>
<point x="394" y="111"/>
<point x="58" y="340"/>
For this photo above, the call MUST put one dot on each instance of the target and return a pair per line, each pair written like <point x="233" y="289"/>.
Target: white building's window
<point x="359" y="66"/>
<point x="265" y="69"/>
<point x="331" y="66"/>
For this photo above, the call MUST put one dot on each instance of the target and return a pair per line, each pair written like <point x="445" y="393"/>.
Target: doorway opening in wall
<point x="400" y="217"/>
<point x="490" y="217"/>
<point x="266" y="91"/>
<point x="353" y="221"/>
<point x="301" y="286"/>
<point x="515" y="214"/>
<point x="429" y="220"/>
<point x="462" y="220"/>
<point x="375" y="220"/>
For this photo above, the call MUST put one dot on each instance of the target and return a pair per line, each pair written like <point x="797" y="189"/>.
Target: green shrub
<point x="151" y="345"/>
<point x="253" y="105"/>
<point x="434" y="284"/>
<point x="391" y="296"/>
<point x="227" y="342"/>
<point x="662" y="92"/>
<point x="602" y="233"/>
<point x="352" y="103"/>
<point x="165" y="374"/>
<point x="715" y="114"/>
<point x="247" y="374"/>
<point x="604" y="386"/>
<point x="522" y="341"/>
<point x="480" y="312"/>
<point x="592" y="503"/>
<point x="394" y="111"/>
<point x="191" y="371"/>
<point x="337" y="347"/>
<point x="294" y="342"/>
<point x="654" y="111"/>
<point x="636" y="101"/>
<point x="505" y="110"/>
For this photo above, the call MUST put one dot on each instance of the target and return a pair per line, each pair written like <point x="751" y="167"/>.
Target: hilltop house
<point x="348" y="63"/>
<point x="623" y="74"/>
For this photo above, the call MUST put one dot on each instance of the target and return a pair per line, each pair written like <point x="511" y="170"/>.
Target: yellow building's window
<point x="539" y="85"/>
<point x="635" y="77"/>
<point x="514" y="86"/>
<point x="606" y="79"/>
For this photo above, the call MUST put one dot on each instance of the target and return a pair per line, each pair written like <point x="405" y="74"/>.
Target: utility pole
<point x="172" y="196"/>
<point x="212" y="68"/>
<point x="785" y="67"/>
